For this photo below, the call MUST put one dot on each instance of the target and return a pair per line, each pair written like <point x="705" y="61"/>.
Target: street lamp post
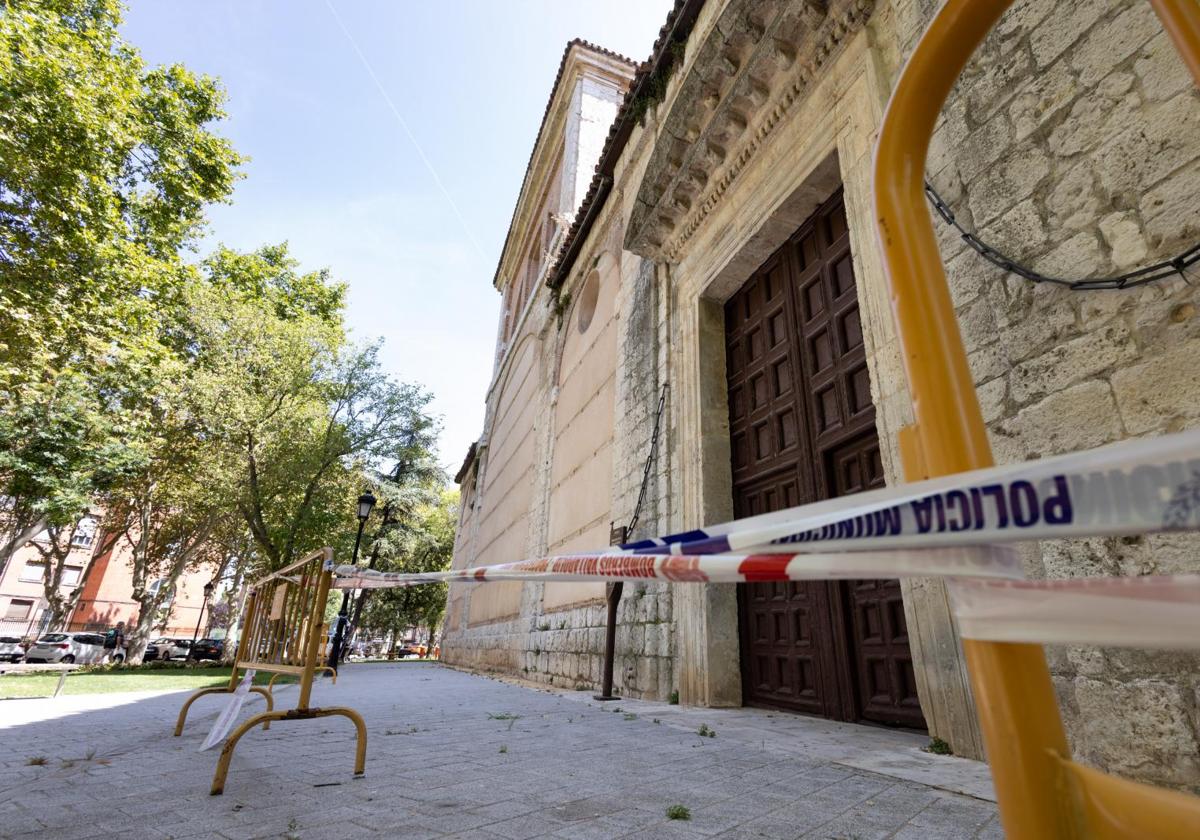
<point x="208" y="591"/>
<point x="362" y="594"/>
<point x="365" y="503"/>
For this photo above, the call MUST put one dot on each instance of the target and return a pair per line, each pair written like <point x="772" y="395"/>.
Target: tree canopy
<point x="425" y="545"/>
<point x="214" y="411"/>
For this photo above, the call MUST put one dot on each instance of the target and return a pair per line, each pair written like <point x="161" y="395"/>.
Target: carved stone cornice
<point x="759" y="58"/>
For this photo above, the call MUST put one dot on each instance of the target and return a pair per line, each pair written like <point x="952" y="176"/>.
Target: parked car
<point x="11" y="649"/>
<point x="207" y="649"/>
<point x="167" y="649"/>
<point x="81" y="648"/>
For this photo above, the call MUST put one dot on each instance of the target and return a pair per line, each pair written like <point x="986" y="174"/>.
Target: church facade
<point x="696" y="232"/>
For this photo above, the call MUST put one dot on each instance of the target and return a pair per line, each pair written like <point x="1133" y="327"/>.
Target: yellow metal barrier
<point x="1040" y="791"/>
<point x="283" y="633"/>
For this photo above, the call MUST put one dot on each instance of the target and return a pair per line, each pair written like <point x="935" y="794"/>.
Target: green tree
<point x="303" y="413"/>
<point x="415" y="481"/>
<point x="58" y="447"/>
<point x="426" y="546"/>
<point x="166" y="515"/>
<point x="106" y="166"/>
<point x="57" y="546"/>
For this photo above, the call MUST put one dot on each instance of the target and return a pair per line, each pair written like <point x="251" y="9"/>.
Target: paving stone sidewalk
<point x="458" y="755"/>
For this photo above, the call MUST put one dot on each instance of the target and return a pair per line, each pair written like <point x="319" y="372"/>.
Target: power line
<point x="404" y="125"/>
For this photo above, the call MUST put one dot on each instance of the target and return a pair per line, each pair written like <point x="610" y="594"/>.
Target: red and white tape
<point x="958" y="561"/>
<point x="946" y="527"/>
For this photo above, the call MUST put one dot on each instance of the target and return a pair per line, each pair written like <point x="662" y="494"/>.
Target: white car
<point x="81" y="648"/>
<point x="10" y="649"/>
<point x="168" y="649"/>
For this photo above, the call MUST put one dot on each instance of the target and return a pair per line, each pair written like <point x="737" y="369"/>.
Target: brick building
<point x="107" y="596"/>
<point x="725" y="246"/>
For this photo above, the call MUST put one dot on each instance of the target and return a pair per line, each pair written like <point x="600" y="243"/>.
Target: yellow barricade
<point x="283" y="633"/>
<point x="1041" y="792"/>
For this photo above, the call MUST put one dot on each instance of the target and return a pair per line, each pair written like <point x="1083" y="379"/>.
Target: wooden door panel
<point x="886" y="682"/>
<point x="802" y="428"/>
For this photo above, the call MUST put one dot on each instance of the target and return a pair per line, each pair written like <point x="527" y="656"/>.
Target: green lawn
<point x="123" y="679"/>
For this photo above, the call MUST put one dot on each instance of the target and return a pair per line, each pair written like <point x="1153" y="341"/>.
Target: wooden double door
<point x="802" y="429"/>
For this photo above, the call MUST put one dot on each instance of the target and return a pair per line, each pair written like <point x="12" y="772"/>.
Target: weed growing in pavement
<point x="674" y="699"/>
<point x="630" y="716"/>
<point x="938" y="747"/>
<point x="656" y="720"/>
<point x="705" y="732"/>
<point x="678" y="812"/>
<point x="504" y="748"/>
<point x="410" y="731"/>
<point x="502" y="716"/>
<point x="37" y="761"/>
<point x="545" y="625"/>
<point x="292" y="830"/>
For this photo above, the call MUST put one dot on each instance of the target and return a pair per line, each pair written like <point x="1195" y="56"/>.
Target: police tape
<point x="1126" y="488"/>
<point x="958" y="561"/>
<point x="949" y="527"/>
<point x="1159" y="611"/>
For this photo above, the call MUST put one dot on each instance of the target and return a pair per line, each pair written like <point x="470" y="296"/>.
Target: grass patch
<point x="679" y="812"/>
<point x="503" y="748"/>
<point x="674" y="699"/>
<point x="503" y="716"/>
<point x="630" y="716"/>
<point x="108" y="681"/>
<point x="938" y="747"/>
<point x="705" y="732"/>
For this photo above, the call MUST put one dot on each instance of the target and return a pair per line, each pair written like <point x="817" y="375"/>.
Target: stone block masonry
<point x="1072" y="144"/>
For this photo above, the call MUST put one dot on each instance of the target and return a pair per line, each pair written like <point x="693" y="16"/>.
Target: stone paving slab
<point x="452" y="754"/>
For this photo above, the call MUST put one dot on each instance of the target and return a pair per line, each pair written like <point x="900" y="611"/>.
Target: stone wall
<point x="564" y="646"/>
<point x="1072" y="144"/>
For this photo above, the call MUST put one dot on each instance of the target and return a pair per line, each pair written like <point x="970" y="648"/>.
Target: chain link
<point x="1158" y="271"/>
<point x="637" y="510"/>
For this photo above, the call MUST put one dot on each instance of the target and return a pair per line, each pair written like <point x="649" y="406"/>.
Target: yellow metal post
<point x="1015" y="697"/>
<point x="1041" y="792"/>
<point x="1181" y="19"/>
<point x="285" y="632"/>
<point x="312" y="651"/>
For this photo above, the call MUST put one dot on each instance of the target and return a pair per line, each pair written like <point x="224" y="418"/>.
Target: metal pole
<point x="361" y="600"/>
<point x="199" y="618"/>
<point x="335" y="650"/>
<point x="610" y="642"/>
<point x="1013" y="691"/>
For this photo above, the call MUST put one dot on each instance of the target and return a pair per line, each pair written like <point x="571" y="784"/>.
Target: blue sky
<point x="334" y="173"/>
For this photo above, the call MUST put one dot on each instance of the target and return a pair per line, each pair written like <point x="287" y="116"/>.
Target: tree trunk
<point x="18" y="535"/>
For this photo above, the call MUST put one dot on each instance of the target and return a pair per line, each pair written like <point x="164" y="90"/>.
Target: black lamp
<point x="366" y="502"/>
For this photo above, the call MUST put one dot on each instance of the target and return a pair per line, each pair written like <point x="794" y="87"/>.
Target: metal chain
<point x="1158" y="271"/>
<point x="637" y="510"/>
